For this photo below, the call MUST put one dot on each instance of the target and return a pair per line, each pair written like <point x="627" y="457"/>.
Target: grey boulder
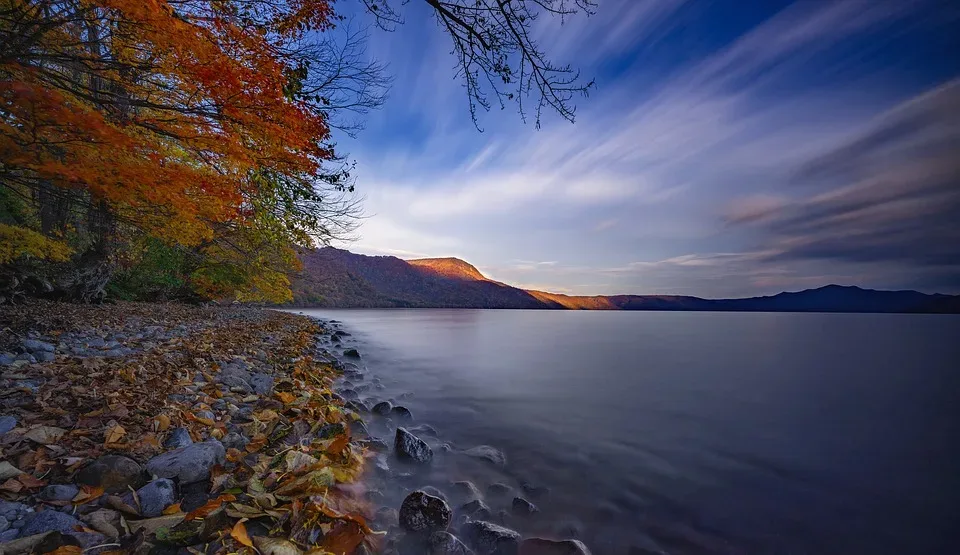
<point x="58" y="492"/>
<point x="55" y="521"/>
<point x="178" y="437"/>
<point x="424" y="513"/>
<point x="445" y="543"/>
<point x="261" y="383"/>
<point x="188" y="464"/>
<point x="487" y="538"/>
<point x="155" y="497"/>
<point x="114" y="473"/>
<point x="411" y="448"/>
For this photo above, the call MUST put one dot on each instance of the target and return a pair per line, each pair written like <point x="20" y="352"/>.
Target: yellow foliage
<point x="16" y="242"/>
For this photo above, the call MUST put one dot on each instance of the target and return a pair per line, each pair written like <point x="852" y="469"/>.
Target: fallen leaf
<point x="209" y="507"/>
<point x="11" y="485"/>
<point x="344" y="536"/>
<point x="7" y="470"/>
<point x="114" y="434"/>
<point x="161" y="422"/>
<point x="239" y="533"/>
<point x="87" y="494"/>
<point x="286" y="397"/>
<point x="275" y="546"/>
<point x="66" y="550"/>
<point x="338" y="445"/>
<point x="172" y="509"/>
<point x="30" y="482"/>
<point x="45" y="435"/>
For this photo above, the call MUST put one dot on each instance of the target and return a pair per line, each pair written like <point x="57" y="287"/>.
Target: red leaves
<point x="209" y="507"/>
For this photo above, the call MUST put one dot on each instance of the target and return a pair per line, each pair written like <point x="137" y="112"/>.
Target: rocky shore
<point x="155" y="428"/>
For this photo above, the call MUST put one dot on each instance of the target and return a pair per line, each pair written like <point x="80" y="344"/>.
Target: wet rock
<point x="533" y="491"/>
<point x="498" y="489"/>
<point x="188" y="464"/>
<point x="487" y="453"/>
<point x="193" y="500"/>
<point x="425" y="430"/>
<point x="155" y="497"/>
<point x="424" y="513"/>
<point x="206" y="414"/>
<point x="58" y="492"/>
<point x="347" y="394"/>
<point x="375" y="444"/>
<point x="465" y="491"/>
<point x="411" y="448"/>
<point x="35" y="346"/>
<point x="49" y="521"/>
<point x="357" y="405"/>
<point x="487" y="538"/>
<point x="382" y="408"/>
<point x="521" y="506"/>
<point x="445" y="543"/>
<point x="401" y="413"/>
<point x="26" y="357"/>
<point x="358" y="428"/>
<point x="430" y="490"/>
<point x="45" y="356"/>
<point x="540" y="546"/>
<point x="475" y="510"/>
<point x="178" y="437"/>
<point x="353" y="353"/>
<point x="7" y="423"/>
<point x="261" y="383"/>
<point x="114" y="473"/>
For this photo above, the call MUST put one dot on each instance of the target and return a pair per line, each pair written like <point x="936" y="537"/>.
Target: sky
<point x="729" y="149"/>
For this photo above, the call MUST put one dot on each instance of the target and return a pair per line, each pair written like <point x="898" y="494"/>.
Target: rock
<point x="430" y="490"/>
<point x="206" y="414"/>
<point x="382" y="408"/>
<point x="488" y="453"/>
<point x="4" y="524"/>
<point x="261" y="383"/>
<point x="178" y="437"/>
<point x="465" y="491"/>
<point x="540" y="546"/>
<point x="498" y="489"/>
<point x="487" y="538"/>
<point x="27" y="357"/>
<point x="58" y="492"/>
<point x="114" y="473"/>
<point x="420" y="512"/>
<point x="48" y="521"/>
<point x="523" y="507"/>
<point x="188" y="464"/>
<point x="235" y="440"/>
<point x="445" y="543"/>
<point x="533" y="491"/>
<point x="105" y="521"/>
<point x="353" y="353"/>
<point x="375" y="444"/>
<point x="6" y="359"/>
<point x="357" y="406"/>
<point x="155" y="497"/>
<point x="34" y="346"/>
<point x="358" y="428"/>
<point x="401" y="413"/>
<point x="44" y="356"/>
<point x="411" y="448"/>
<point x="425" y="430"/>
<point x="475" y="510"/>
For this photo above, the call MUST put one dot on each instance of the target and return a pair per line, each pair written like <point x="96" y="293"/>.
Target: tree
<point x="498" y="56"/>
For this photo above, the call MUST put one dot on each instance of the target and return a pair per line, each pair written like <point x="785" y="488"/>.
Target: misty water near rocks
<point x="681" y="433"/>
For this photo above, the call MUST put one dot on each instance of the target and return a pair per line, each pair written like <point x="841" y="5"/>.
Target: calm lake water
<point x="690" y="433"/>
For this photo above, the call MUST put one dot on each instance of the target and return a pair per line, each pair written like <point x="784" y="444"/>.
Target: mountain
<point x="339" y="278"/>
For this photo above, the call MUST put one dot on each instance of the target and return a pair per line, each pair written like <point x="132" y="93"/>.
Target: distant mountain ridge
<point x="338" y="278"/>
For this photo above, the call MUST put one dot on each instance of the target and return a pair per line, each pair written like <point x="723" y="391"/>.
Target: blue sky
<point x="730" y="148"/>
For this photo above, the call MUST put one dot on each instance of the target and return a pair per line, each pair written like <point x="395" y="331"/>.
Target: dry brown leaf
<point x="344" y="536"/>
<point x="161" y="422"/>
<point x="87" y="494"/>
<point x="11" y="485"/>
<point x="209" y="507"/>
<point x="338" y="445"/>
<point x="114" y="434"/>
<point x="30" y="482"/>
<point x="66" y="550"/>
<point x="239" y="533"/>
<point x="45" y="435"/>
<point x="286" y="397"/>
<point x="172" y="509"/>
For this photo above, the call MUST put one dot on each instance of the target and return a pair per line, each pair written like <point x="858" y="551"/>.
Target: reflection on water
<point x="685" y="433"/>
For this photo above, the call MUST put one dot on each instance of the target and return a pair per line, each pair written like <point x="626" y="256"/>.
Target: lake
<point x="687" y="433"/>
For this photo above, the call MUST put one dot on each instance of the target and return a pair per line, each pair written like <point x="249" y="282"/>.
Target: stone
<point x="235" y="440"/>
<point x="4" y="524"/>
<point x="430" y="490"/>
<point x="261" y="383"/>
<point x="533" y="491"/>
<point x="155" y="497"/>
<point x="382" y="408"/>
<point x="49" y="521"/>
<point x="114" y="473"/>
<point x="357" y="406"/>
<point x="465" y="491"/>
<point x="401" y="413"/>
<point x="188" y="464"/>
<point x="488" y="453"/>
<point x="206" y="414"/>
<point x="105" y="521"/>
<point x="375" y="444"/>
<point x="35" y="345"/>
<point x="6" y="359"/>
<point x="425" y="430"/>
<point x="353" y="353"/>
<point x="359" y="429"/>
<point x="411" y="448"/>
<point x="521" y="506"/>
<point x="58" y="492"/>
<point x="487" y="538"/>
<point x="178" y="437"/>
<point x="475" y="510"/>
<point x="27" y="357"/>
<point x="45" y="356"/>
<point x="540" y="546"/>
<point x="445" y="543"/>
<point x="421" y="512"/>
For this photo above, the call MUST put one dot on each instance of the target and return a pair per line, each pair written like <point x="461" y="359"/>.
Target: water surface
<point x="690" y="433"/>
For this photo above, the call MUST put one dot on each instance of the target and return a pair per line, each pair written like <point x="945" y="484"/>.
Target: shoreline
<point x="155" y="428"/>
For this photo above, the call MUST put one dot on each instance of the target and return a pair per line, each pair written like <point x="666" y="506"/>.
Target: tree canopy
<point x="196" y="135"/>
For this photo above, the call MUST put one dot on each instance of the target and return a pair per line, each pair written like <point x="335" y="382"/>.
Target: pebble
<point x="34" y="345"/>
<point x="114" y="473"/>
<point x="401" y="413"/>
<point x="445" y="543"/>
<point x="7" y="423"/>
<point x="488" y="453"/>
<point x="465" y="490"/>
<point x="58" y="492"/>
<point x="498" y="489"/>
<point x="421" y="512"/>
<point x="382" y="408"/>
<point x="178" y="437"/>
<point x="523" y="507"/>
<point x="475" y="510"/>
<point x="487" y="538"/>
<point x="188" y="464"/>
<point x="154" y="497"/>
